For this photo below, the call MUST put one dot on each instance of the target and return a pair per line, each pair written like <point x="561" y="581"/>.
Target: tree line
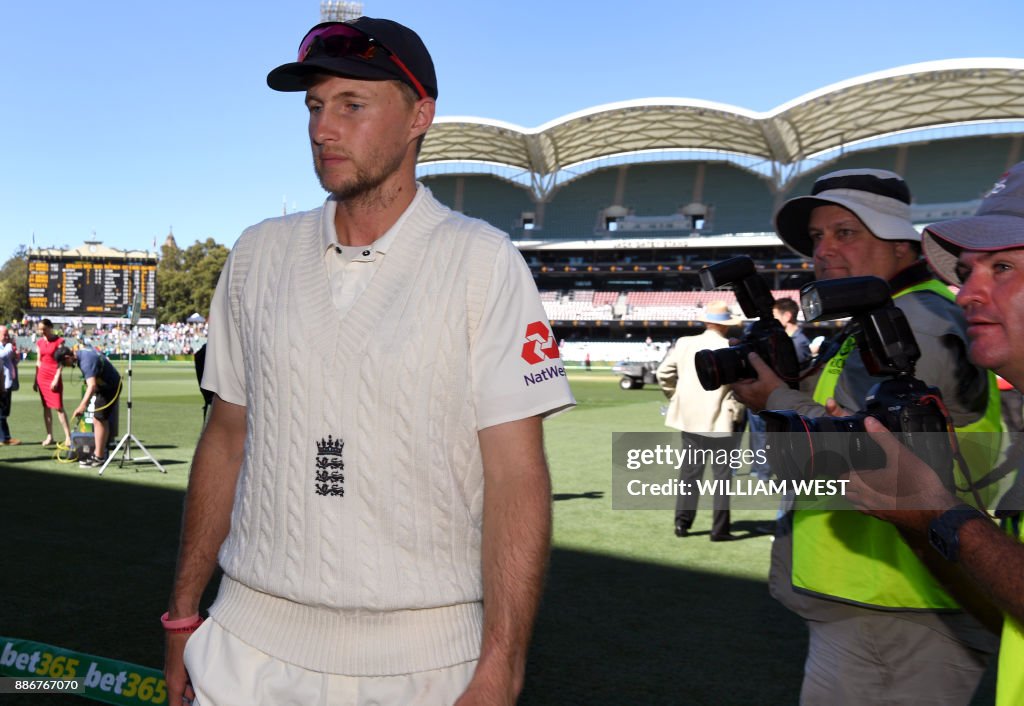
<point x="185" y="280"/>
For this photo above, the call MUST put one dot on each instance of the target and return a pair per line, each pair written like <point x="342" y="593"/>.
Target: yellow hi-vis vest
<point x="849" y="556"/>
<point x="1010" y="677"/>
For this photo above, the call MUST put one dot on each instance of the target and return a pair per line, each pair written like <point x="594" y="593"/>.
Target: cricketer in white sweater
<point x="355" y="539"/>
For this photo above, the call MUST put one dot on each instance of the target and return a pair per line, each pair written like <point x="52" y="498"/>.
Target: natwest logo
<point x="540" y="344"/>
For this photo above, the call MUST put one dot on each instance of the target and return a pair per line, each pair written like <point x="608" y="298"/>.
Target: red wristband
<point x="189" y="624"/>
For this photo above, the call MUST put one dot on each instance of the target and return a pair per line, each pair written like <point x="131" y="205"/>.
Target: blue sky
<point x="126" y="118"/>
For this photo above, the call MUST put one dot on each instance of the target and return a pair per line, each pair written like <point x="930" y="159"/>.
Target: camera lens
<point x="722" y="366"/>
<point x="790" y="446"/>
<point x="707" y="369"/>
<point x="819" y="447"/>
<point x="849" y="442"/>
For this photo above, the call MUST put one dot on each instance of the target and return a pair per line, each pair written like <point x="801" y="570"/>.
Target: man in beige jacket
<point x="706" y="418"/>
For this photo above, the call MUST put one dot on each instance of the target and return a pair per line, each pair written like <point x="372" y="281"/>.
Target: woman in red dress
<point x="48" y="381"/>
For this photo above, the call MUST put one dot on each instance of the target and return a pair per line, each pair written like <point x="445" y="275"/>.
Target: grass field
<point x="631" y="615"/>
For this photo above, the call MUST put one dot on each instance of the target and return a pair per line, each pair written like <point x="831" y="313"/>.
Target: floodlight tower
<point x="340" y="11"/>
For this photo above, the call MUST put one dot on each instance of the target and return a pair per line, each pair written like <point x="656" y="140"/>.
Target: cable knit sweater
<point x="355" y="537"/>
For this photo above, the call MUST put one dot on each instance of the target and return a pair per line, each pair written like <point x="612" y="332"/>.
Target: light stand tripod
<point x="128" y="439"/>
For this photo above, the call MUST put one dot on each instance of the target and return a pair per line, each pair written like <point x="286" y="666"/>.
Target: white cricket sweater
<point x="361" y="558"/>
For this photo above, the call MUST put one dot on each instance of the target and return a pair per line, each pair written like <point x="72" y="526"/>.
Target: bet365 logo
<point x="540" y="344"/>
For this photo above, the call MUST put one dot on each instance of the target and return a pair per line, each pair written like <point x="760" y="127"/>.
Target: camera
<point x="802" y="447"/>
<point x="766" y="336"/>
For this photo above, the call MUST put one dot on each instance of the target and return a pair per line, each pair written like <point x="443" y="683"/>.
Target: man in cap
<point x="380" y="503"/>
<point x="706" y="418"/>
<point x="102" y="389"/>
<point x="984" y="256"/>
<point x="882" y="627"/>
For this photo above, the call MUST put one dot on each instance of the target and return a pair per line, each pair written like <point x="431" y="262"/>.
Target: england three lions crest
<point x="329" y="480"/>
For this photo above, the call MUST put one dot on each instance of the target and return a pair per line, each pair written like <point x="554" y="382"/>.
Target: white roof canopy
<point x="919" y="96"/>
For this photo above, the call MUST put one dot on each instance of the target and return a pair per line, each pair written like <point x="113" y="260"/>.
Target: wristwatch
<point x="944" y="530"/>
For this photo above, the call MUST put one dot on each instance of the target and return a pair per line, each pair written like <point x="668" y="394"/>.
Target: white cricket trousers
<point x="227" y="672"/>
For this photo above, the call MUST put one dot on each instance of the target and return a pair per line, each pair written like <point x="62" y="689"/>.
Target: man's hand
<point x="906" y="492"/>
<point x="754" y="393"/>
<point x="178" y="683"/>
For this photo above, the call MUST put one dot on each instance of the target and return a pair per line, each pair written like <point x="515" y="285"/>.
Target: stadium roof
<point x="915" y="97"/>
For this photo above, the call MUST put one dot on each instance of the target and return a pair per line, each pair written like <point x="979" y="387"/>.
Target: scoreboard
<point x="83" y="286"/>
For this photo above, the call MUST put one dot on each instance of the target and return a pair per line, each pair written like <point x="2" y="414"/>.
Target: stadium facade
<point x="616" y="208"/>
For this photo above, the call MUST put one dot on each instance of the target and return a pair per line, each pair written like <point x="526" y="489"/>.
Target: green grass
<point x="631" y="614"/>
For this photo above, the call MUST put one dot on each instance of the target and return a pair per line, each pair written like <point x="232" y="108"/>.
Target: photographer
<point x="984" y="255"/>
<point x="882" y="628"/>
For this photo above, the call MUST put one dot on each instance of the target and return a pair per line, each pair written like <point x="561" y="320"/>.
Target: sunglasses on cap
<point x="340" y="41"/>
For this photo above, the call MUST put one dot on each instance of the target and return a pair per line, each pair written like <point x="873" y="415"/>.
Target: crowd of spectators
<point x="113" y="339"/>
<point x="165" y="339"/>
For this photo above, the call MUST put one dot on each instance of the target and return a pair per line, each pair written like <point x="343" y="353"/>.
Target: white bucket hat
<point x="879" y="198"/>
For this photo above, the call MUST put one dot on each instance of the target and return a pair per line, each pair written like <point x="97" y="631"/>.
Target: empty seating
<point x="590" y="305"/>
<point x="613" y="351"/>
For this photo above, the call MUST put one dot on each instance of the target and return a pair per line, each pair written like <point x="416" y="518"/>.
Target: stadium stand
<point x="643" y="283"/>
<point x="947" y="126"/>
<point x="444" y="187"/>
<point x="927" y="168"/>
<point x="162" y="340"/>
<point x="496" y="201"/>
<point x="575" y="210"/>
<point x="586" y="305"/>
<point x="742" y="201"/>
<point x="884" y="158"/>
<point x="659" y="189"/>
<point x="640" y="351"/>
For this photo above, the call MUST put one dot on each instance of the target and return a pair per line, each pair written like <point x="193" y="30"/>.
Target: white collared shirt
<point x="351" y="267"/>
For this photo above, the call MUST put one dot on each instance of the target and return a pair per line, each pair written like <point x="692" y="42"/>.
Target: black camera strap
<point x="959" y="459"/>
